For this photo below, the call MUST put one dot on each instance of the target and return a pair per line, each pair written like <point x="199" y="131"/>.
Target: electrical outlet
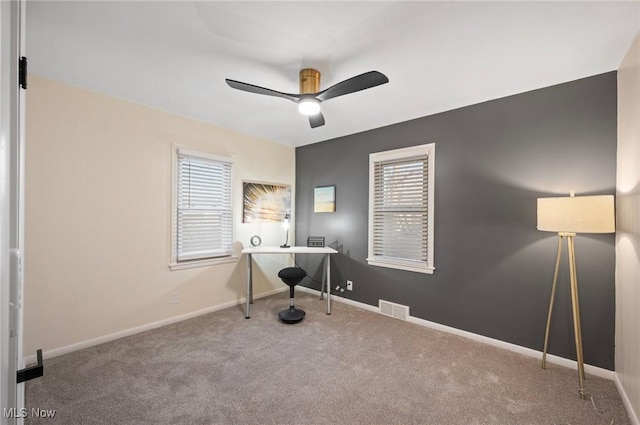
<point x="175" y="298"/>
<point x="349" y="285"/>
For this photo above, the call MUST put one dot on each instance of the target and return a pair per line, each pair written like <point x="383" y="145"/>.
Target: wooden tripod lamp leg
<point x="576" y="314"/>
<point x="553" y="295"/>
<point x="575" y="307"/>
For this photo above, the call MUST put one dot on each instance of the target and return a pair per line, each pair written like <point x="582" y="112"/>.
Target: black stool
<point x="291" y="276"/>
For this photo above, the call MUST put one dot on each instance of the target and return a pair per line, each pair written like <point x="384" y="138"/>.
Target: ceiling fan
<point x="310" y="97"/>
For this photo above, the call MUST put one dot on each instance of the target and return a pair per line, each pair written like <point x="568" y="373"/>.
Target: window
<point x="401" y="208"/>
<point x="202" y="215"/>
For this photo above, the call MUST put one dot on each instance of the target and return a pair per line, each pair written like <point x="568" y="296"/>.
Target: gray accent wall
<point x="493" y="268"/>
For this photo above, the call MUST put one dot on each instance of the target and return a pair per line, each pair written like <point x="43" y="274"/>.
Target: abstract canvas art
<point x="263" y="202"/>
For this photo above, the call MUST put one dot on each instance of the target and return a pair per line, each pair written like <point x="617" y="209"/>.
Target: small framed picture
<point x="324" y="199"/>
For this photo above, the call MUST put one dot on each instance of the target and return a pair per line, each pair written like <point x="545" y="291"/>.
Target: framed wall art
<point x="264" y="202"/>
<point x="324" y="199"/>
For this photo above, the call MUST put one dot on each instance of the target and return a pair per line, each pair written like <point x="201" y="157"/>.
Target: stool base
<point x="291" y="315"/>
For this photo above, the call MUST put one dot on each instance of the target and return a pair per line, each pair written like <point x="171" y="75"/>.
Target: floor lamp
<point x="568" y="216"/>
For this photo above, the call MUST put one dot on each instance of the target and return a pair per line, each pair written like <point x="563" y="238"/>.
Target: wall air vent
<point x="390" y="309"/>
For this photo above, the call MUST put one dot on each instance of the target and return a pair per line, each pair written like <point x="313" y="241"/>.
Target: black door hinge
<point x="23" y="72"/>
<point x="32" y="372"/>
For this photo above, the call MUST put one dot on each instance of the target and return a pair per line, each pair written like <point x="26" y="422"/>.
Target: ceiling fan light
<point x="309" y="106"/>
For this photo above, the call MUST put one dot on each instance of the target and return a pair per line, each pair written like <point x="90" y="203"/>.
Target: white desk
<point x="326" y="278"/>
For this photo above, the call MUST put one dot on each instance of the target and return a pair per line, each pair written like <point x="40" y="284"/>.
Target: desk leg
<point x="328" y="283"/>
<point x="249" y="288"/>
<point x="324" y="282"/>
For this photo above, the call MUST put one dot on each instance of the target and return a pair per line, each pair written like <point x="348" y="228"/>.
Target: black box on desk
<point x="315" y="241"/>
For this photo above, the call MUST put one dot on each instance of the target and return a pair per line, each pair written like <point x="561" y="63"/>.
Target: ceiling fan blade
<point x="354" y="84"/>
<point x="316" y="120"/>
<point x="239" y="85"/>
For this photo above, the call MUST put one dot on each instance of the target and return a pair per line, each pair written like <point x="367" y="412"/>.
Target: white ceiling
<point x="438" y="56"/>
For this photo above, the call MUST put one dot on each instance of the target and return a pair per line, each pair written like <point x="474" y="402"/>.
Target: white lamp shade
<point x="577" y="214"/>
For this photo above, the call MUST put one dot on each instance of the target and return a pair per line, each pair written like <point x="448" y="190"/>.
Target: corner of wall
<point x="628" y="232"/>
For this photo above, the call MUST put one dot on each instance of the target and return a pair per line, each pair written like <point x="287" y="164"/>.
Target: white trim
<point x="401" y="266"/>
<point x="561" y="361"/>
<point x="411" y="151"/>
<point x="202" y="263"/>
<point x="347" y="301"/>
<point x="529" y="352"/>
<point x="431" y="207"/>
<point x="633" y="417"/>
<point x="199" y="154"/>
<point x="176" y="150"/>
<point x="173" y="257"/>
<point x="55" y="352"/>
<point x="401" y="153"/>
<point x="593" y="370"/>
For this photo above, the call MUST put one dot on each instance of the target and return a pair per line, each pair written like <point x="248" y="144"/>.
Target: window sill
<point x="400" y="266"/>
<point x="202" y="263"/>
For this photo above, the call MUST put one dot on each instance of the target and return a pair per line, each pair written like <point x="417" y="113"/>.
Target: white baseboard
<point x="633" y="417"/>
<point x="55" y="352"/>
<point x="597" y="371"/>
<point x="561" y="361"/>
<point x="572" y="364"/>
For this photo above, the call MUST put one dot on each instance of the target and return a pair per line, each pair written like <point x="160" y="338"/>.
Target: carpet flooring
<point x="353" y="367"/>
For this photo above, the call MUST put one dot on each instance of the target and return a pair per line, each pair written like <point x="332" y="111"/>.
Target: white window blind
<point x="204" y="216"/>
<point x="400" y="227"/>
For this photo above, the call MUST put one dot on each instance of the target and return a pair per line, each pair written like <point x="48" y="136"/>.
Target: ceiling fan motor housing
<point x="309" y="81"/>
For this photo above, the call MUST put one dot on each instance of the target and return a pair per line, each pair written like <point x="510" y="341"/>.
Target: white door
<point x="11" y="208"/>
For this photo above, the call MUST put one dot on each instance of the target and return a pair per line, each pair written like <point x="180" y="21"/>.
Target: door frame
<point x="12" y="150"/>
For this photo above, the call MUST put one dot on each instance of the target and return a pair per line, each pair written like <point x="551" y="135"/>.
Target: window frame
<point x="427" y="266"/>
<point x="174" y="263"/>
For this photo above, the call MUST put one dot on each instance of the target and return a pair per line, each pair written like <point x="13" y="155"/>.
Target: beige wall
<point x="98" y="208"/>
<point x="628" y="230"/>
